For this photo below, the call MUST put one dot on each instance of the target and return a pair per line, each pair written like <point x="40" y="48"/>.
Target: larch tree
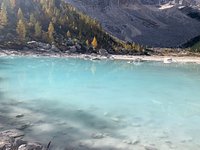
<point x="3" y="16"/>
<point x="13" y="3"/>
<point x="68" y="34"/>
<point x="21" y="30"/>
<point x="38" y="29"/>
<point x="87" y="43"/>
<point x="94" y="43"/>
<point x="20" y="14"/>
<point x="32" y="20"/>
<point x="51" y="32"/>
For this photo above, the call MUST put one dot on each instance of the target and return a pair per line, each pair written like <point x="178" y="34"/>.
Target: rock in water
<point x="12" y="140"/>
<point x="5" y="142"/>
<point x="150" y="148"/>
<point x="98" y="136"/>
<point x="12" y="133"/>
<point x="30" y="146"/>
<point x="19" y="116"/>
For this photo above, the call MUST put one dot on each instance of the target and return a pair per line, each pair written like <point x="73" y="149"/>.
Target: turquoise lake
<point x="101" y="105"/>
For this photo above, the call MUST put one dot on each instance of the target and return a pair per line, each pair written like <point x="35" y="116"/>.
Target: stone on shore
<point x="103" y="52"/>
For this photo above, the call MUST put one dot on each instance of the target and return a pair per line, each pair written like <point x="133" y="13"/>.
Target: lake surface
<point x="82" y="104"/>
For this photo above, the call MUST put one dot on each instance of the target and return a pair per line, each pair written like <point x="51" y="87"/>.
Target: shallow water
<point x="84" y="104"/>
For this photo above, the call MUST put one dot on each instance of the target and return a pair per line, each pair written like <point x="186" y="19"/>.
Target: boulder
<point x="38" y="45"/>
<point x="44" y="45"/>
<point x="12" y="140"/>
<point x="12" y="133"/>
<point x="30" y="146"/>
<point x="69" y="42"/>
<point x="73" y="49"/>
<point x="5" y="142"/>
<point x="54" y="48"/>
<point x="103" y="52"/>
<point x="78" y="46"/>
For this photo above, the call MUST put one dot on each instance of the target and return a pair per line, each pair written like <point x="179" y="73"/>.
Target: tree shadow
<point x="65" y="127"/>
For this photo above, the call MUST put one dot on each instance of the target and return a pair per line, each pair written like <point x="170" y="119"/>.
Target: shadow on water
<point x="65" y="127"/>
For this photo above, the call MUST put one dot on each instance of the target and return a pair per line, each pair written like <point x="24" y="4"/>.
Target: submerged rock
<point x="132" y="142"/>
<point x="19" y="116"/>
<point x="115" y="119"/>
<point x="30" y="146"/>
<point x="150" y="148"/>
<point x="98" y="135"/>
<point x="12" y="133"/>
<point x="5" y="142"/>
<point x="12" y="140"/>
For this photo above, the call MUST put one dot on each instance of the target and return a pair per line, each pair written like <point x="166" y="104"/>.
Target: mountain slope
<point x="133" y="20"/>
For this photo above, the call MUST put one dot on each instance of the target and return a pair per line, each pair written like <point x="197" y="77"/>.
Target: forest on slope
<point x="53" y="21"/>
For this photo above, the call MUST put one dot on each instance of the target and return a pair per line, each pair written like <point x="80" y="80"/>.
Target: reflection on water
<point x="81" y="104"/>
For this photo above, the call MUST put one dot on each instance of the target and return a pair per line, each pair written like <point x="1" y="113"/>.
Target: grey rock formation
<point x="13" y="140"/>
<point x="142" y="21"/>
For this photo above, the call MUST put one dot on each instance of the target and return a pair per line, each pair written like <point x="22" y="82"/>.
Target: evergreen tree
<point x="51" y="32"/>
<point x="21" y="29"/>
<point x="94" y="43"/>
<point x="38" y="29"/>
<point x="3" y="16"/>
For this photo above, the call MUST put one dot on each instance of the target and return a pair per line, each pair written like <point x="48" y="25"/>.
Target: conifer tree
<point x="38" y="29"/>
<point x="68" y="34"/>
<point x="13" y="3"/>
<point x="21" y="29"/>
<point x="3" y="16"/>
<point x="87" y="43"/>
<point x="20" y="14"/>
<point x="94" y="43"/>
<point x="51" y="32"/>
<point x="32" y="20"/>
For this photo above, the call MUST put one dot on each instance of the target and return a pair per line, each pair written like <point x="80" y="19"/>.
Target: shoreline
<point x="130" y="58"/>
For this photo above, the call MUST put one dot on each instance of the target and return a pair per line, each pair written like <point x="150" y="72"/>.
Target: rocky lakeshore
<point x="77" y="50"/>
<point x="102" y="54"/>
<point x="13" y="140"/>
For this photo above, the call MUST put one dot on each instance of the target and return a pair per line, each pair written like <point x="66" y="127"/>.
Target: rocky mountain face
<point x="158" y="23"/>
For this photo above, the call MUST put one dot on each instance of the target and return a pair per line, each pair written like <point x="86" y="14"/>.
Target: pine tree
<point x="94" y="43"/>
<point x="38" y="29"/>
<point x="21" y="29"/>
<point x="50" y="32"/>
<point x="3" y="16"/>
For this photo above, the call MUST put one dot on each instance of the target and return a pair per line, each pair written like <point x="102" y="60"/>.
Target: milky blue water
<point x="85" y="104"/>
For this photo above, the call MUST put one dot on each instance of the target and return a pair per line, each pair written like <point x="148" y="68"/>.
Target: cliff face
<point x="142" y="21"/>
